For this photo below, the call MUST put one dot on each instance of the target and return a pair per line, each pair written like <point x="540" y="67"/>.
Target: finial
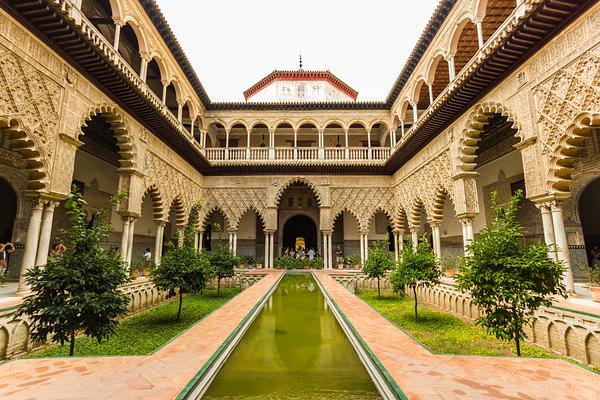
<point x="300" y="60"/>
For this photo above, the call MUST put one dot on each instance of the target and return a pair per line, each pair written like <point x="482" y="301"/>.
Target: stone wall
<point x="561" y="331"/>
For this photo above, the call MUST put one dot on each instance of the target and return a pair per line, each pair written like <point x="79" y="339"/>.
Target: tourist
<point x="311" y="254"/>
<point x="595" y="256"/>
<point x="338" y="251"/>
<point x="5" y="249"/>
<point x="147" y="256"/>
<point x="58" y="250"/>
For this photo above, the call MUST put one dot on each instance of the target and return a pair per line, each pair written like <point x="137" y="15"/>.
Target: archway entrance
<point x="589" y="216"/>
<point x="8" y="211"/>
<point x="300" y="226"/>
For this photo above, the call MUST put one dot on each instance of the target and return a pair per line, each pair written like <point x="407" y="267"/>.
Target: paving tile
<point x="423" y="375"/>
<point x="161" y="375"/>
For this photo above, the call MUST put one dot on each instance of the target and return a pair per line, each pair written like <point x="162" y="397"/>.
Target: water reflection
<point x="294" y="349"/>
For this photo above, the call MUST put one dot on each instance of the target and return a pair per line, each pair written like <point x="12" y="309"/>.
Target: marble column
<point x="200" y="240"/>
<point x="235" y="243"/>
<point x="31" y="245"/>
<point x="158" y="241"/>
<point x="468" y="234"/>
<point x="362" y="248"/>
<point x="479" y="33"/>
<point x="330" y="250"/>
<point x="396" y="255"/>
<point x="548" y="229"/>
<point x="366" y="245"/>
<point x="125" y="238"/>
<point x="46" y="233"/>
<point x="266" y="250"/>
<point x="562" y="245"/>
<point x="130" y="241"/>
<point x="271" y="249"/>
<point x="414" y="235"/>
<point x="435" y="234"/>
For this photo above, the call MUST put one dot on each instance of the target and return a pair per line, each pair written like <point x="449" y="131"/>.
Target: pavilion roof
<point x="300" y="75"/>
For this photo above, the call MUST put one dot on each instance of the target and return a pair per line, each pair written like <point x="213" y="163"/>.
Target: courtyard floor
<point x="161" y="375"/>
<point x="423" y="375"/>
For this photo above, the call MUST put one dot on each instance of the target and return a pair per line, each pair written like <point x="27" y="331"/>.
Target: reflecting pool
<point x="295" y="349"/>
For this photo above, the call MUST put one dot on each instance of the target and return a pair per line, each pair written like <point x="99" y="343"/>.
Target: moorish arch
<point x="119" y="126"/>
<point x="568" y="151"/>
<point x="468" y="143"/>
<point x="20" y="140"/>
<point x="299" y="180"/>
<point x="158" y="209"/>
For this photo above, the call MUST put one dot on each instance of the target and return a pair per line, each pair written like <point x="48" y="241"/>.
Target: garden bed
<point x="146" y="331"/>
<point x="443" y="333"/>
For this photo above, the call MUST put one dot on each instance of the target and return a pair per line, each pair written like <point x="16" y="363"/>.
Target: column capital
<point x="434" y="223"/>
<point x="160" y="222"/>
<point x="326" y="232"/>
<point x="415" y="229"/>
<point x="269" y="231"/>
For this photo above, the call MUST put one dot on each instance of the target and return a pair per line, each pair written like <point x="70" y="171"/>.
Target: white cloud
<point x="233" y="44"/>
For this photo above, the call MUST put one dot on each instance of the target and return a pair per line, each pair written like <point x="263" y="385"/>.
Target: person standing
<point x="311" y="254"/>
<point x="5" y="249"/>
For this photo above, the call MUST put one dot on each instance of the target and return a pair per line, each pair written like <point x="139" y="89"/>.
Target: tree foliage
<point x="508" y="281"/>
<point x="222" y="262"/>
<point x="378" y="262"/>
<point x="79" y="291"/>
<point x="183" y="268"/>
<point x="416" y="268"/>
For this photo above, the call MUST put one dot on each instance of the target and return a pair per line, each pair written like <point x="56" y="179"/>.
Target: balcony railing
<point x="218" y="155"/>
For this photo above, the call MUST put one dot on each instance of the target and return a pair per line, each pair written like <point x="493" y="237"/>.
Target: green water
<point x="295" y="349"/>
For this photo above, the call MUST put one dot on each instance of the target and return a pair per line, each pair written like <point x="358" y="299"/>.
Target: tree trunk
<point x="415" y="295"/>
<point x="72" y="346"/>
<point x="518" y="342"/>
<point x="378" y="290"/>
<point x="180" y="301"/>
<point x="218" y="285"/>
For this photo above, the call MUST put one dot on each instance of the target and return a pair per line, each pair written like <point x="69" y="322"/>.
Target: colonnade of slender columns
<point x="327" y="250"/>
<point x="38" y="239"/>
<point x="555" y="237"/>
<point x="269" y="248"/>
<point x="233" y="242"/>
<point x="364" y="246"/>
<point x="158" y="241"/>
<point x="126" y="249"/>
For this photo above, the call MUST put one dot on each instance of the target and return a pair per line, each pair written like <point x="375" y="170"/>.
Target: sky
<point x="232" y="44"/>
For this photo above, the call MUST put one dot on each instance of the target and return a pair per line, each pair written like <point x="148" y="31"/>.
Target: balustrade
<point x="297" y="153"/>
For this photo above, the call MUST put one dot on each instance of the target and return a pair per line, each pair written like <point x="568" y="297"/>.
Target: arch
<point x="464" y="44"/>
<point x="259" y="122"/>
<point x="406" y="104"/>
<point x="384" y="123"/>
<point x="399" y="217"/>
<point x="493" y="14"/>
<point x="592" y="349"/>
<point x="469" y="140"/>
<point x="246" y="210"/>
<point x="568" y="151"/>
<point x="379" y="209"/>
<point x="155" y="74"/>
<point x="359" y="122"/>
<point x="282" y="121"/>
<point x="305" y="121"/>
<point x="158" y="209"/>
<point x="26" y="144"/>
<point x="178" y="90"/>
<point x="414" y="219"/>
<point x="421" y="94"/>
<point x="439" y="199"/>
<point x="346" y="210"/>
<point x="304" y="181"/>
<point x="303" y="225"/>
<point x="215" y="208"/>
<point x="177" y="205"/>
<point x="438" y="75"/>
<point x="235" y="122"/>
<point x="463" y="21"/>
<point x="127" y="153"/>
<point x="139" y="33"/>
<point x="334" y="121"/>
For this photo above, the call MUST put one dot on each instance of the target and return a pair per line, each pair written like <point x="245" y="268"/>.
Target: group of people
<point x="301" y="253"/>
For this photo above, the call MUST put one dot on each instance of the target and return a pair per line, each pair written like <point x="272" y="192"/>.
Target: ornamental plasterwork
<point x="362" y="202"/>
<point x="428" y="185"/>
<point x="569" y="92"/>
<point x="234" y="203"/>
<point x="170" y="183"/>
<point x="32" y="98"/>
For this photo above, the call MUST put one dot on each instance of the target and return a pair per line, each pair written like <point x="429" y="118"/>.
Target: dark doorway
<point x="300" y="226"/>
<point x="589" y="216"/>
<point x="8" y="211"/>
